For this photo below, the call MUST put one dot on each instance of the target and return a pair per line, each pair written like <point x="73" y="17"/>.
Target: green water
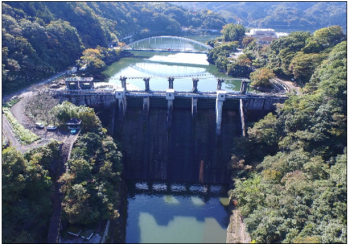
<point x="194" y="215"/>
<point x="160" y="65"/>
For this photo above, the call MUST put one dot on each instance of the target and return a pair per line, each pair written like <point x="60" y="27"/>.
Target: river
<point x="183" y="213"/>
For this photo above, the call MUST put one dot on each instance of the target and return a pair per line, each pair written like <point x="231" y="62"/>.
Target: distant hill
<point x="277" y="15"/>
<point x="41" y="38"/>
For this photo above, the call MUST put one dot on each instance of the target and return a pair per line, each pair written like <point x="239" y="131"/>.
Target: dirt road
<point x="18" y="111"/>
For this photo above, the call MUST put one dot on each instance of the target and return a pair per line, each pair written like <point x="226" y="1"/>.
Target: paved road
<point x="7" y="129"/>
<point x="7" y="97"/>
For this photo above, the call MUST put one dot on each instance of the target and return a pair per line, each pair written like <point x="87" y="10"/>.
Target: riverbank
<point x="236" y="232"/>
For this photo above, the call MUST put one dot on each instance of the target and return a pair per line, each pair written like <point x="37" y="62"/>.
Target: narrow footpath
<point x="55" y="221"/>
<point x="236" y="230"/>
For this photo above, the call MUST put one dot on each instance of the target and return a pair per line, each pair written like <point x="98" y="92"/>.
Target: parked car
<point x="51" y="127"/>
<point x="39" y="125"/>
<point x="73" y="132"/>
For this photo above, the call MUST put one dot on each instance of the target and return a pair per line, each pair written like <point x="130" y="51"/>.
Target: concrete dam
<point x="176" y="136"/>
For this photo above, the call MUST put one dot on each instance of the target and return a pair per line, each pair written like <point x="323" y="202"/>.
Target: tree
<point x="89" y="118"/>
<point x="261" y="78"/>
<point x="296" y="191"/>
<point x="40" y="107"/>
<point x="233" y="32"/>
<point x="303" y="66"/>
<point x="246" y="40"/>
<point x="24" y="211"/>
<point x="65" y="111"/>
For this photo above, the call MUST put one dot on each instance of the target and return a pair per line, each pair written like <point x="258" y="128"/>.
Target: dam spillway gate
<point x="176" y="136"/>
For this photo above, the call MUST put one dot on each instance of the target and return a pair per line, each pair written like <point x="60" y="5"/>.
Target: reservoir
<point x="160" y="65"/>
<point x="160" y="212"/>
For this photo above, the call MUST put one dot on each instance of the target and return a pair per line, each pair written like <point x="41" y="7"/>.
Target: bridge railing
<point x="81" y="92"/>
<point x="172" y="37"/>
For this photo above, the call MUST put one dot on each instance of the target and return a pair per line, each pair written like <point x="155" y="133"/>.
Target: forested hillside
<point x="41" y="38"/>
<point x="278" y="15"/>
<point x="290" y="172"/>
<point x="27" y="185"/>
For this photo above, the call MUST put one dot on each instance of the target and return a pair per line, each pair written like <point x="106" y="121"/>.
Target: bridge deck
<point x="188" y="94"/>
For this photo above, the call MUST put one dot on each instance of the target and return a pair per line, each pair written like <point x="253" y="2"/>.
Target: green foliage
<point x="232" y="32"/>
<point x="43" y="38"/>
<point x="24" y="211"/>
<point x="90" y="186"/>
<point x="23" y="135"/>
<point x="67" y="111"/>
<point x="261" y="78"/>
<point x="47" y="156"/>
<point x="298" y="191"/>
<point x="303" y="65"/>
<point x="324" y="38"/>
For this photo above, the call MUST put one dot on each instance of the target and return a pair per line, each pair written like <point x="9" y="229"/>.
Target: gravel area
<point x="18" y="110"/>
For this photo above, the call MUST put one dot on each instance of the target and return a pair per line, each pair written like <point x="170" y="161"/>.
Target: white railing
<point x="171" y="37"/>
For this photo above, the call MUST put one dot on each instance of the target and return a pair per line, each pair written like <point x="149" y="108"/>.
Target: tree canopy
<point x="296" y="191"/>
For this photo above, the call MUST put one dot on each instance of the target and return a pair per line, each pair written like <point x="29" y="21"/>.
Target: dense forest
<point x="41" y="38"/>
<point x="289" y="173"/>
<point x="25" y="213"/>
<point x="279" y="15"/>
<point x="295" y="56"/>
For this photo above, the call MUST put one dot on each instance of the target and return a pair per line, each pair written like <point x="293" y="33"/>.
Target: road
<point x="7" y="130"/>
<point x="18" y="111"/>
<point x="16" y="93"/>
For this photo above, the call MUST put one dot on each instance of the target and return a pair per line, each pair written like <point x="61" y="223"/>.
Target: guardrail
<point x="81" y="92"/>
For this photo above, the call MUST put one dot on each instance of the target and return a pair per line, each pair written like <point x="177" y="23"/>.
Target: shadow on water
<point x="176" y="212"/>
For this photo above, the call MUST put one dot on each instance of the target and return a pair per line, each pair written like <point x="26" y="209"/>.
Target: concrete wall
<point x="152" y="151"/>
<point x="157" y="149"/>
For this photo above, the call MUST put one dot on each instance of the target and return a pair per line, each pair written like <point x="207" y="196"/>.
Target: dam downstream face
<point x="185" y="150"/>
<point x="176" y="168"/>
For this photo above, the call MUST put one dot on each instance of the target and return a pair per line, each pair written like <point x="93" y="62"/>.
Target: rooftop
<point x="74" y="121"/>
<point x="78" y="78"/>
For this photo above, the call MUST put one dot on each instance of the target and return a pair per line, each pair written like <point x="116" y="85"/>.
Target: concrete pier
<point x="220" y="98"/>
<point x="195" y="85"/>
<point x="146" y="80"/>
<point x="241" y="111"/>
<point x="120" y="96"/>
<point x="194" y="106"/>
<point x="146" y="104"/>
<point x="244" y="86"/>
<point x="123" y="81"/>
<point x="220" y="81"/>
<point x="171" y="82"/>
<point x="170" y="96"/>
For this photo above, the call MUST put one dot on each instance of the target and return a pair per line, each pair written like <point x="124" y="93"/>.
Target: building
<point x="77" y="83"/>
<point x="74" y="124"/>
<point x="265" y="40"/>
<point x="263" y="36"/>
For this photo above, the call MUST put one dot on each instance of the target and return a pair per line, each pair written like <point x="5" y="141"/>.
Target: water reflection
<point x="160" y="65"/>
<point x="173" y="212"/>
